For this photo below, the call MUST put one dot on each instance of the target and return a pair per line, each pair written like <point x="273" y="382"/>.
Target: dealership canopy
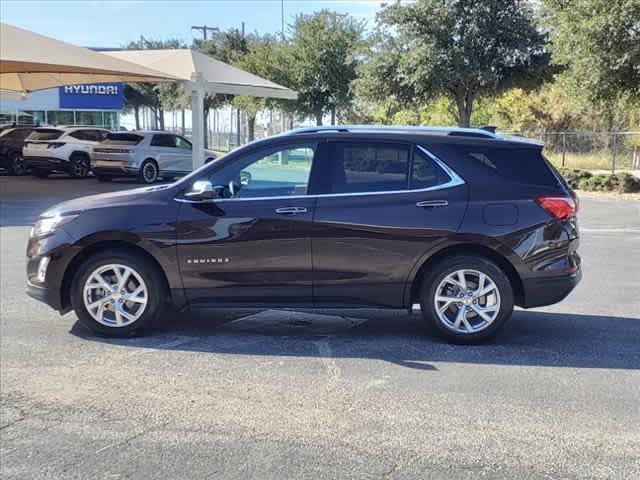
<point x="29" y="61"/>
<point x="203" y="74"/>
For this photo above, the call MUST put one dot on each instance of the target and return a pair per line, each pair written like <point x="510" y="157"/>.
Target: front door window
<point x="276" y="172"/>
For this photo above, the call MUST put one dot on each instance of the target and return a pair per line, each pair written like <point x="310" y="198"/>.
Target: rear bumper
<point x="542" y="291"/>
<point x="113" y="168"/>
<point x="47" y="163"/>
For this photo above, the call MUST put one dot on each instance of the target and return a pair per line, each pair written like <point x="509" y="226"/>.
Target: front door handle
<point x="432" y="204"/>
<point x="290" y="210"/>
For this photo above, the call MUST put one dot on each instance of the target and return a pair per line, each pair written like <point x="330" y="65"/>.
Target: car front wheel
<point x="117" y="293"/>
<point x="467" y="299"/>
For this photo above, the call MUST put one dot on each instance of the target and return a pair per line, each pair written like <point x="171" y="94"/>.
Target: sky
<point x="114" y="23"/>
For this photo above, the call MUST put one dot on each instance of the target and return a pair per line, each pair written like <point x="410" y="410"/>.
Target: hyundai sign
<point x="92" y="96"/>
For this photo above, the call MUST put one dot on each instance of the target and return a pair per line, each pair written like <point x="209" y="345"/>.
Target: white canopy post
<point x="197" y="119"/>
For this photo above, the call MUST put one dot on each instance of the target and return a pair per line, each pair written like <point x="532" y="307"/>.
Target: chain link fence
<point x="610" y="151"/>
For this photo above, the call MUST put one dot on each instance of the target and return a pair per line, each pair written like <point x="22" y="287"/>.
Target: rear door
<point x="184" y="149"/>
<point x="381" y="206"/>
<point x="167" y="154"/>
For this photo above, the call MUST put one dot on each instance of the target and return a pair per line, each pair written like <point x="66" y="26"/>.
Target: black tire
<point x="79" y="165"/>
<point x="16" y="164"/>
<point x="149" y="172"/>
<point x="151" y="274"/>
<point x="104" y="178"/>
<point x="40" y="173"/>
<point x="437" y="274"/>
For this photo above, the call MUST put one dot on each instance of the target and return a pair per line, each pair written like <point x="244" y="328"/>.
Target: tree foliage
<point x="598" y="42"/>
<point x="322" y="59"/>
<point x="464" y="50"/>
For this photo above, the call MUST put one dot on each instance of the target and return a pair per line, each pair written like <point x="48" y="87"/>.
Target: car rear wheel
<point x="467" y="299"/>
<point x="16" y="164"/>
<point x="117" y="293"/>
<point x="149" y="172"/>
<point x="79" y="167"/>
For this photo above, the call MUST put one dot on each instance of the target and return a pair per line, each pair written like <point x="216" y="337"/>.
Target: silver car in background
<point x="146" y="155"/>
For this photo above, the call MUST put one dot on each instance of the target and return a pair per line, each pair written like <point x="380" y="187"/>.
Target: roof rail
<point x="453" y="131"/>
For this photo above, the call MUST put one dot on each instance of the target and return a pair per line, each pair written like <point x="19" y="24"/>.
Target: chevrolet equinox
<point x="463" y="222"/>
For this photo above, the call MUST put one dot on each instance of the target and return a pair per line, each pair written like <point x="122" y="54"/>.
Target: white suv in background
<point x="61" y="149"/>
<point x="146" y="155"/>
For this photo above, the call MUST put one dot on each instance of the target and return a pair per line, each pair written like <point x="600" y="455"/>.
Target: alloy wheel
<point x="467" y="301"/>
<point x="17" y="165"/>
<point x="80" y="168"/>
<point x="149" y="172"/>
<point x="115" y="295"/>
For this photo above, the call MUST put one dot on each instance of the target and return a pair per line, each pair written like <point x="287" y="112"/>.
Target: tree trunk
<point x="182" y="121"/>
<point x="333" y="115"/>
<point x="251" y="128"/>
<point x="464" y="104"/>
<point x="161" y="118"/>
<point x="319" y="119"/>
<point x="136" y="114"/>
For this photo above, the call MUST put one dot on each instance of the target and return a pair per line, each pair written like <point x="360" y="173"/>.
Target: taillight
<point x="559" y="207"/>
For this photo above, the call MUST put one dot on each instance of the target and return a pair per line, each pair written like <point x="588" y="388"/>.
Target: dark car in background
<point x="11" y="142"/>
<point x="464" y="222"/>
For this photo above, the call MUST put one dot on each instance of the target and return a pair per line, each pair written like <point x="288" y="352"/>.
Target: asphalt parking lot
<point x="348" y="394"/>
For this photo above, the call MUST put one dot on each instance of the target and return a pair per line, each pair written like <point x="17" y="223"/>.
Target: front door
<point x="381" y="207"/>
<point x="253" y="245"/>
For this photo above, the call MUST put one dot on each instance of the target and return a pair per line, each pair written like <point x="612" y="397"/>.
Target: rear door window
<point x="425" y="173"/>
<point x="356" y="167"/>
<point x="45" y="134"/>
<point x="163" y="140"/>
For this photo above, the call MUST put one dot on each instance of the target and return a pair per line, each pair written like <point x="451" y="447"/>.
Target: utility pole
<point x="282" y="20"/>
<point x="205" y="29"/>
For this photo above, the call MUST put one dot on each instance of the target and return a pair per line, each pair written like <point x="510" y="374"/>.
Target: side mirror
<point x="204" y="190"/>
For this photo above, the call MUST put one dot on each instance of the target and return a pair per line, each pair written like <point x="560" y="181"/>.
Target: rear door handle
<point x="432" y="204"/>
<point x="291" y="210"/>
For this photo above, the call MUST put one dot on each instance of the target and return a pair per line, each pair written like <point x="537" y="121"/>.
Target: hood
<point x="138" y="196"/>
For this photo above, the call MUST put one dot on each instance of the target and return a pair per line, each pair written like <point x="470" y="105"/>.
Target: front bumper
<point x="51" y="164"/>
<point x="46" y="295"/>
<point x="541" y="291"/>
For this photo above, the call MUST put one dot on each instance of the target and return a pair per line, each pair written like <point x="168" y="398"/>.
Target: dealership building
<point x="88" y="104"/>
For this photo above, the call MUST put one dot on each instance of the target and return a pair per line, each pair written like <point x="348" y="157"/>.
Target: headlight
<point x="47" y="225"/>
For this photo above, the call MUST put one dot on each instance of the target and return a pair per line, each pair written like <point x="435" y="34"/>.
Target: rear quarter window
<point x="521" y="165"/>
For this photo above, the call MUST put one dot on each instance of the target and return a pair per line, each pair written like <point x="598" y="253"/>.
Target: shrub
<point x="574" y="176"/>
<point x="606" y="182"/>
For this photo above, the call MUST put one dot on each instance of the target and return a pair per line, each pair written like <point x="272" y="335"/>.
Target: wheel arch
<point x="97" y="246"/>
<point x="412" y="294"/>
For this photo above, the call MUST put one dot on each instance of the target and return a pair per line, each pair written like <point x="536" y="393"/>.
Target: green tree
<point x="322" y="57"/>
<point x="598" y="42"/>
<point x="464" y="50"/>
<point x="264" y="58"/>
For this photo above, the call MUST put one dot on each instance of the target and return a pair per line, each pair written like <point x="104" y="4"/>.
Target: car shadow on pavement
<point x="531" y="338"/>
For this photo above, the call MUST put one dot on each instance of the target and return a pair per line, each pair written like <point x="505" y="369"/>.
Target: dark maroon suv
<point x="464" y="222"/>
